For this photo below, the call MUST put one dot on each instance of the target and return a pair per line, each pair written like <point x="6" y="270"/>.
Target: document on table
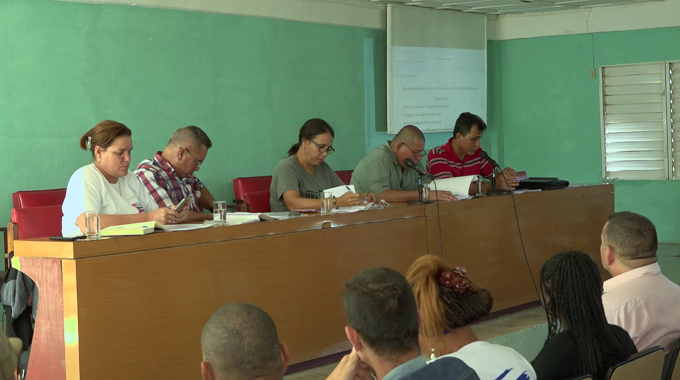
<point x="339" y="191"/>
<point x="369" y="206"/>
<point x="186" y="227"/>
<point x="458" y="186"/>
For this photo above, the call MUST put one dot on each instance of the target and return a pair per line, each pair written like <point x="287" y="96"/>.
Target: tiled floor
<point x="521" y="330"/>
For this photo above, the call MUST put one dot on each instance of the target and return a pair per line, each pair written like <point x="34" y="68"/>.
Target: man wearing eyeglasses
<point x="384" y="172"/>
<point x="169" y="175"/>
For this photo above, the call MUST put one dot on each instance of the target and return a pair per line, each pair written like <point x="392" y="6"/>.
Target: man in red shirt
<point x="460" y="156"/>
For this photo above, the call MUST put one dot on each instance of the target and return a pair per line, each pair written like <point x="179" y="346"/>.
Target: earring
<point x="433" y="356"/>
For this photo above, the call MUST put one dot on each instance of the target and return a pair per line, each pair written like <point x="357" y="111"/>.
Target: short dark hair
<point x="310" y="129"/>
<point x="380" y="305"/>
<point x="632" y="235"/>
<point x="191" y="135"/>
<point x="466" y="121"/>
<point x="241" y="340"/>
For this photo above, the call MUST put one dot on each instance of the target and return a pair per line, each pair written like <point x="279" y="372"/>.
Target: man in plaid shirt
<point x="169" y="175"/>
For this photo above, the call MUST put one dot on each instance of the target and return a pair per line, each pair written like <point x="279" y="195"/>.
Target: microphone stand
<point x="420" y="200"/>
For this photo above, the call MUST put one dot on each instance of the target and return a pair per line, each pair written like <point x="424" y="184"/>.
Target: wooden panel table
<point x="134" y="307"/>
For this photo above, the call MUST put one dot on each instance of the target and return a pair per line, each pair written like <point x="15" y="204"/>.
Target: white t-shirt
<point x="88" y="190"/>
<point x="493" y="361"/>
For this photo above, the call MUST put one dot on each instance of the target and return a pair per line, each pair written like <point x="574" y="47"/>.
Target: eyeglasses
<point x="198" y="163"/>
<point x="422" y="153"/>
<point x="323" y="149"/>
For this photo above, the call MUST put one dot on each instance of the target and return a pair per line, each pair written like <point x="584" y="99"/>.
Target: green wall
<point x="249" y="82"/>
<point x="547" y="107"/>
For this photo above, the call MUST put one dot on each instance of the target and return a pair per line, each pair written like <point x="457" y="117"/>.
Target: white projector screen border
<point x="423" y="43"/>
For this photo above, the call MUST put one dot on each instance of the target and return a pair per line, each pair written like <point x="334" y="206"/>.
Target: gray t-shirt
<point x="289" y="175"/>
<point x="380" y="171"/>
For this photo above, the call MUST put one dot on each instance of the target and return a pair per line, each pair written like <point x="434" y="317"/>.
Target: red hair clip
<point x="456" y="279"/>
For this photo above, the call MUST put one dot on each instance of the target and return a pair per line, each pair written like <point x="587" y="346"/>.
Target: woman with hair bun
<point x="108" y="187"/>
<point x="297" y="180"/>
<point x="449" y="302"/>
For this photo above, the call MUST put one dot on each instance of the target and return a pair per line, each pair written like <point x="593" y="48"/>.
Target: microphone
<point x="485" y="156"/>
<point x="409" y="162"/>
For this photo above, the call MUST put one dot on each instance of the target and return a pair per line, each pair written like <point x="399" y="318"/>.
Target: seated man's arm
<point x="205" y="202"/>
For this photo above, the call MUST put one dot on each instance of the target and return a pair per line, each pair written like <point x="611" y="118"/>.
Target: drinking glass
<point x="92" y="225"/>
<point x="326" y="202"/>
<point x="220" y="213"/>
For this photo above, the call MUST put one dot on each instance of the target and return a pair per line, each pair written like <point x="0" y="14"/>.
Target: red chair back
<point x="35" y="222"/>
<point x="38" y="198"/>
<point x="345" y="175"/>
<point x="249" y="184"/>
<point x="257" y="201"/>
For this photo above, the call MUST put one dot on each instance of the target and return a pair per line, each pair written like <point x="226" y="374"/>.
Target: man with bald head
<point x="240" y="342"/>
<point x="169" y="175"/>
<point x="384" y="172"/>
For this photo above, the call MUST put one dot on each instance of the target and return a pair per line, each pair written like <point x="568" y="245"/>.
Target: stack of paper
<point x="236" y="218"/>
<point x="132" y="229"/>
<point x="458" y="186"/>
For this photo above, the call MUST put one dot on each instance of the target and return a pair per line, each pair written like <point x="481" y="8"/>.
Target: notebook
<point x="132" y="229"/>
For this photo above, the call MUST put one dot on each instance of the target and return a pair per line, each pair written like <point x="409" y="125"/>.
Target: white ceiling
<point x="500" y="7"/>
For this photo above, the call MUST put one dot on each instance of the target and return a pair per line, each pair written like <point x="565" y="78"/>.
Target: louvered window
<point x="634" y="109"/>
<point x="674" y="110"/>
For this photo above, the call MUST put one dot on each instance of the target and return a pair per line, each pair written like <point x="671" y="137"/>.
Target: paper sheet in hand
<point x="458" y="186"/>
<point x="339" y="191"/>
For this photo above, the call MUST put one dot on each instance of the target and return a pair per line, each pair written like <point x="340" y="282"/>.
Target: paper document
<point x="458" y="186"/>
<point x="283" y="215"/>
<point x="142" y="228"/>
<point x="369" y="206"/>
<point x="185" y="227"/>
<point x="236" y="218"/>
<point x="341" y="190"/>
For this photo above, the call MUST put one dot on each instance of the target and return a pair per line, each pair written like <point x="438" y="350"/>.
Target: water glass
<point x="92" y="225"/>
<point x="426" y="192"/>
<point x="220" y="213"/>
<point x="480" y="186"/>
<point x="326" y="202"/>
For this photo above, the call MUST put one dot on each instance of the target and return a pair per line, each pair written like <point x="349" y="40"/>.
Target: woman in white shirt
<point x="449" y="303"/>
<point x="108" y="187"/>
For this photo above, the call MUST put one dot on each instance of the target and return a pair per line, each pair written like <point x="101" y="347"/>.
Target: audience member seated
<point x="579" y="339"/>
<point x="297" y="180"/>
<point x="460" y="156"/>
<point x="383" y="325"/>
<point x="449" y="302"/>
<point x="169" y="175"/>
<point x="108" y="187"/>
<point x="9" y="350"/>
<point x="384" y="172"/>
<point x="240" y="342"/>
<point x="638" y="297"/>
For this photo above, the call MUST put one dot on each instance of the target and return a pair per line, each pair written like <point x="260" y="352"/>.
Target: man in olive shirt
<point x="383" y="170"/>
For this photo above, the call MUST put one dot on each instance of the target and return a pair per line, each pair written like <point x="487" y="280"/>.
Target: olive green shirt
<point x="380" y="171"/>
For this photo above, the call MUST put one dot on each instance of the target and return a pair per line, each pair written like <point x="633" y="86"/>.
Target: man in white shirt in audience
<point x="638" y="298"/>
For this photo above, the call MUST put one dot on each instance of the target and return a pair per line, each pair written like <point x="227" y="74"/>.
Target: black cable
<point x="439" y="221"/>
<point x="521" y="239"/>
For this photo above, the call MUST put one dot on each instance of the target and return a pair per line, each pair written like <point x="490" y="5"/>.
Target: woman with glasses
<point x="108" y="187"/>
<point x="297" y="180"/>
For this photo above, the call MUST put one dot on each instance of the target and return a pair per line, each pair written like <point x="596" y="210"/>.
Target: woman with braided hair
<point x="580" y="341"/>
<point x="449" y="303"/>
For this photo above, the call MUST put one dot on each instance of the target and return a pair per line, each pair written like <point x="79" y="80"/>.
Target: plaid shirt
<point x="165" y="186"/>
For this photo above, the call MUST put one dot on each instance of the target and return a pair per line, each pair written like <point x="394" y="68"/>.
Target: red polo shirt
<point x="442" y="162"/>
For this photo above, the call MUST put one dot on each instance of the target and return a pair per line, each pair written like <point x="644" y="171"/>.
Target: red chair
<point x="252" y="193"/>
<point x="345" y="175"/>
<point x="36" y="213"/>
<point x="39" y="198"/>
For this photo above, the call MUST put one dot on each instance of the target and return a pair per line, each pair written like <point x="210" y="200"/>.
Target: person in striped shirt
<point x="460" y="156"/>
<point x="169" y="175"/>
